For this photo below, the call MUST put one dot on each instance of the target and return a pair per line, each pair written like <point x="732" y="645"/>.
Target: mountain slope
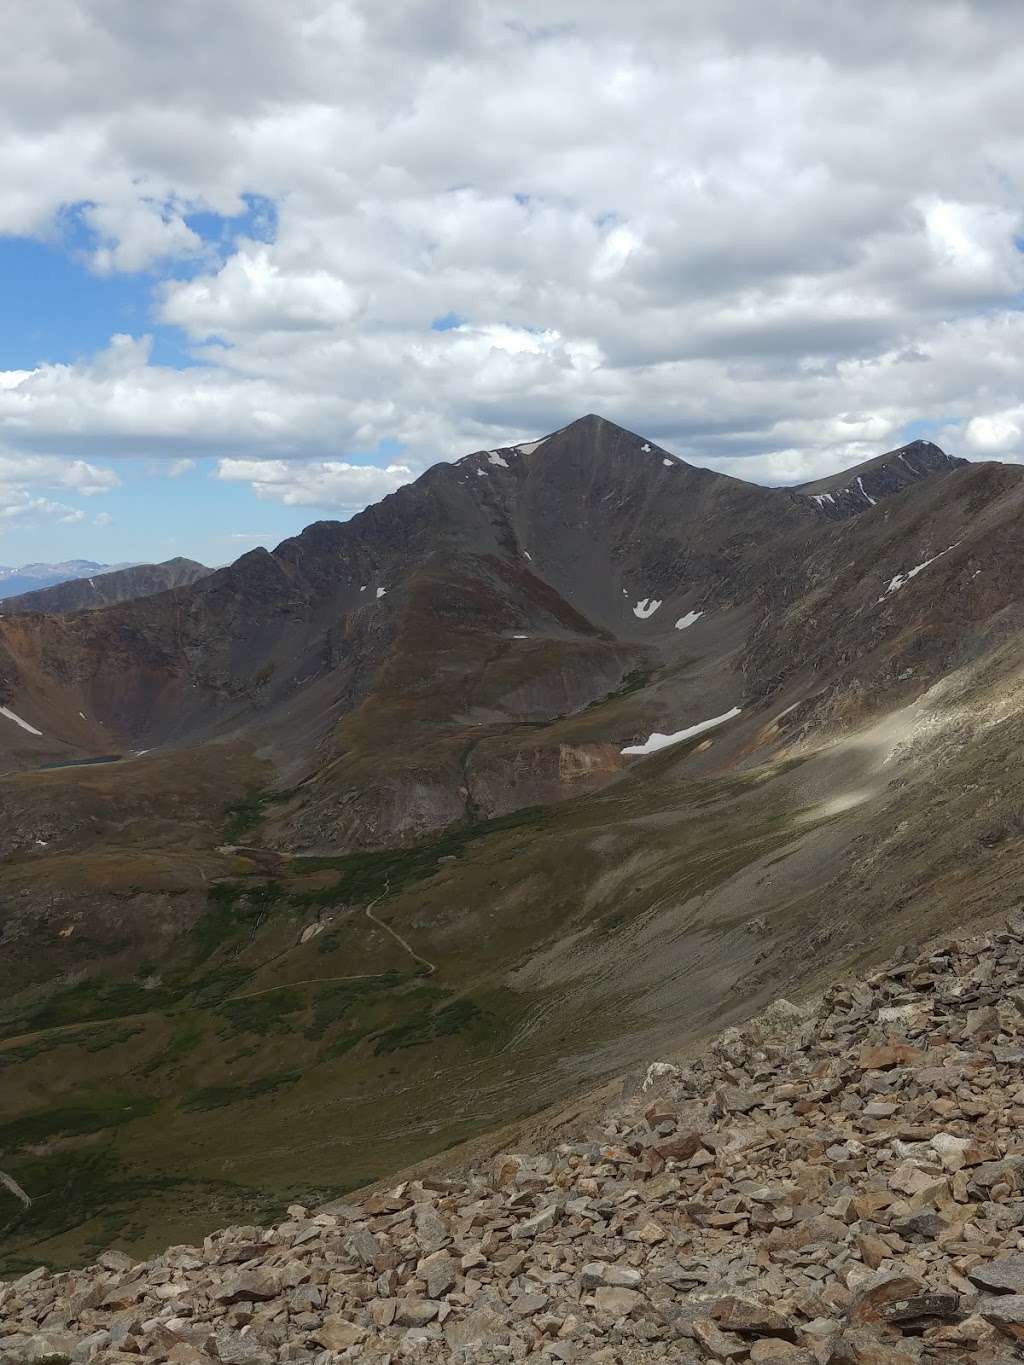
<point x="854" y="490"/>
<point x="30" y="577"/>
<point x="383" y="848"/>
<point x="105" y="588"/>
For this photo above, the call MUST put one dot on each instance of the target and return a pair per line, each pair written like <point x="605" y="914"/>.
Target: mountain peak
<point x="861" y="486"/>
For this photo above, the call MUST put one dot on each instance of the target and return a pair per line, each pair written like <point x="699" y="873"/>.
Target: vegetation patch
<point x="634" y="681"/>
<point x="95" y="999"/>
<point x="366" y="877"/>
<point x="233" y="909"/>
<point x="331" y="1003"/>
<point x="210" y="989"/>
<point x="187" y="1036"/>
<point x="217" y="1096"/>
<point x="242" y="817"/>
<point x="41" y="1125"/>
<point x="101" y="1039"/>
<point x="262" y="1014"/>
<point x="425" y="1025"/>
<point x="456" y="1017"/>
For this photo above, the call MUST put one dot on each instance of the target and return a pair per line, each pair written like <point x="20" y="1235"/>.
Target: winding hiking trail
<point x="359" y="976"/>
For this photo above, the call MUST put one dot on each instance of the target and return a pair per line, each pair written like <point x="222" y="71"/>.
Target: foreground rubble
<point x="837" y="1186"/>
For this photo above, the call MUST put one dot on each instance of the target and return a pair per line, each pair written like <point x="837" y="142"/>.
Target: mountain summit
<point x="853" y="490"/>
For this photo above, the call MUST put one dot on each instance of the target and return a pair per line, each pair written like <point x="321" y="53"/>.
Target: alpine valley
<point x="563" y="757"/>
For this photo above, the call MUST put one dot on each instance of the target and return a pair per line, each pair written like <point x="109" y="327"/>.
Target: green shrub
<point x="217" y="1096"/>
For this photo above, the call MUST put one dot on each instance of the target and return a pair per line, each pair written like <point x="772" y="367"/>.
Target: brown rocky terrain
<point x="838" y="1182"/>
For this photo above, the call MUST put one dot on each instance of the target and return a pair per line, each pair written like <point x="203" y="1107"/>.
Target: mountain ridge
<point x="107" y="587"/>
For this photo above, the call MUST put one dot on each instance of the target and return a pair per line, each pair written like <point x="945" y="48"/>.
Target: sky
<point x="261" y="264"/>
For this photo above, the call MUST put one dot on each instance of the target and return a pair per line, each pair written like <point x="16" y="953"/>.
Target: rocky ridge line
<point x="836" y="1185"/>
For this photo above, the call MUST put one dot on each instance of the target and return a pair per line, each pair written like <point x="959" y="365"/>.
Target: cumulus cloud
<point x="322" y="483"/>
<point x="26" y="481"/>
<point x="768" y="237"/>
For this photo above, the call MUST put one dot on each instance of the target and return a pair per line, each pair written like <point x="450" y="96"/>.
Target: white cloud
<point x="769" y="237"/>
<point x="103" y="519"/>
<point x="997" y="435"/>
<point x="323" y="483"/>
<point x="139" y="234"/>
<point x="254" y="293"/>
<point x="26" y="481"/>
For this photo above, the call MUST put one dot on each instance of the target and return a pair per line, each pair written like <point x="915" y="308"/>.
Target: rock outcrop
<point x="838" y="1184"/>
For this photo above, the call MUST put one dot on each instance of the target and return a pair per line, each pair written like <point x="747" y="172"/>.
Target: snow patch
<point x="531" y="446"/>
<point x="646" y="607"/>
<point x="685" y="621"/>
<point x="82" y="714"/>
<point x="495" y="458"/>
<point x="667" y="463"/>
<point x="656" y="741"/>
<point x="898" y="580"/>
<point x="864" y="491"/>
<point x="481" y="473"/>
<point x="18" y="721"/>
<point x="380" y="593"/>
<point x="819" y="498"/>
<point x="520" y="637"/>
<point x="645" y="449"/>
<point x="527" y="555"/>
<point x="363" y="588"/>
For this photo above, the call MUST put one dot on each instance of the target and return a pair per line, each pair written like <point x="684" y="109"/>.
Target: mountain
<point x="562" y="755"/>
<point x="106" y="587"/>
<point x="435" y="656"/>
<point x="30" y="577"/>
<point x="862" y="486"/>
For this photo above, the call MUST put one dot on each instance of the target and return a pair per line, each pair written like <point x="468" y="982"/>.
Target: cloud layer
<point x="769" y="237"/>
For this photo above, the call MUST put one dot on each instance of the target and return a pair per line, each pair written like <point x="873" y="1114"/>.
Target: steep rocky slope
<point x="852" y="491"/>
<point x="104" y="589"/>
<point x="840" y="1182"/>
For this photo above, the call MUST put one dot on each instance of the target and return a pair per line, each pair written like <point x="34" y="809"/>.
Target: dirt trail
<point x="359" y="976"/>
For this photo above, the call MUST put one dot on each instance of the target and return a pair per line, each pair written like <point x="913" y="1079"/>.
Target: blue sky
<point x="58" y="311"/>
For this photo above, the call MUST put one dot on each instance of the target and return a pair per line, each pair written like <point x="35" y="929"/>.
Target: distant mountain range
<point x="103" y="587"/>
<point x="28" y="577"/>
